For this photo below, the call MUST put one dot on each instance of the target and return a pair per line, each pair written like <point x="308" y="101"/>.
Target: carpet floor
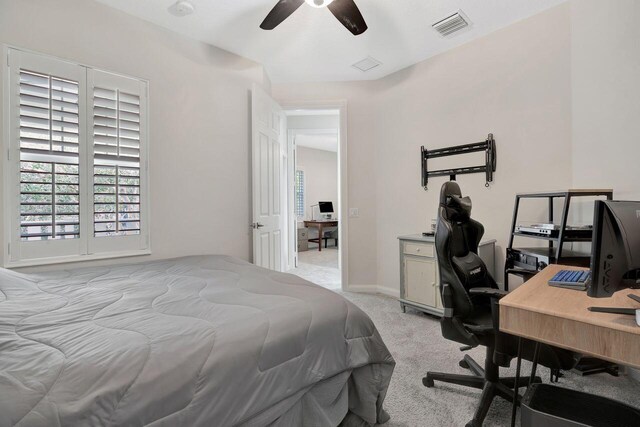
<point x="416" y="343"/>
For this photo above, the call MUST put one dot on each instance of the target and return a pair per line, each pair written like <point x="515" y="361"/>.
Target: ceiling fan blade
<point x="280" y="12"/>
<point x="349" y="15"/>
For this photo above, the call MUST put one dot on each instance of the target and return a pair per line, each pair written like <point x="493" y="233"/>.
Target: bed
<point x="196" y="341"/>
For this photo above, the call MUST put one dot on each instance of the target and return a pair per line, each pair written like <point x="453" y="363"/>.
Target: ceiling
<point x="326" y="142"/>
<point x="311" y="45"/>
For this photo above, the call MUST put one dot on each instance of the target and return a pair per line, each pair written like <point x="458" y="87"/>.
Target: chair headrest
<point x="456" y="207"/>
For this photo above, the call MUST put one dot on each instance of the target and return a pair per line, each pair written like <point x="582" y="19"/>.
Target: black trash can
<point x="545" y="405"/>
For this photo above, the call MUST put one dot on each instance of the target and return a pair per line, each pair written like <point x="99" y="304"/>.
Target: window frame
<point x="18" y="253"/>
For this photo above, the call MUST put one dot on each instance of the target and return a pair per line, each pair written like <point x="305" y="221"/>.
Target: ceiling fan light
<point x="318" y="3"/>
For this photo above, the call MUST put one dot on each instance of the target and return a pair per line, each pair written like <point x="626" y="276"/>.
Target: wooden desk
<point x="320" y="225"/>
<point x="560" y="317"/>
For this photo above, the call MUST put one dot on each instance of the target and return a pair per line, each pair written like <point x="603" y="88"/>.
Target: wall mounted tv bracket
<point x="488" y="146"/>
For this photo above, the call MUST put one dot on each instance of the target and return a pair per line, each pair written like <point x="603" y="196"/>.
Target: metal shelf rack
<point x="565" y="235"/>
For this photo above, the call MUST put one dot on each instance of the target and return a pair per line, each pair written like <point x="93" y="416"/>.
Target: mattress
<point x="196" y="341"/>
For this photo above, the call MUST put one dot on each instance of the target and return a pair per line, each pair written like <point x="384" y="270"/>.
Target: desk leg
<point x="515" y="385"/>
<point x="536" y="353"/>
<point x="320" y="238"/>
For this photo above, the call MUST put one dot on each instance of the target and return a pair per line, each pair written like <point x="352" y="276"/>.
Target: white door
<point x="267" y="120"/>
<point x="291" y="196"/>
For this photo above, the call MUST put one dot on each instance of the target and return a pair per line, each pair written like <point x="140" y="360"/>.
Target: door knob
<point x="256" y="225"/>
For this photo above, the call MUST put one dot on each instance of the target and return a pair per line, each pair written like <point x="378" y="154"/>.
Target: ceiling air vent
<point x="366" y="64"/>
<point x="450" y="25"/>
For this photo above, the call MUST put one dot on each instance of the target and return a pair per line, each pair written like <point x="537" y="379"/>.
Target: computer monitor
<point x="615" y="257"/>
<point x="325" y="207"/>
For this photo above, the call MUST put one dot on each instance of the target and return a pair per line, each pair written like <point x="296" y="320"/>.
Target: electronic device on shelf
<point x="536" y="259"/>
<point x="553" y="230"/>
<point x="542" y="226"/>
<point x="571" y="279"/>
<point x="550" y="230"/>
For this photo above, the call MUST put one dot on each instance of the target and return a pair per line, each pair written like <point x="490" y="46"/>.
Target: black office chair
<point x="470" y="299"/>
<point x="331" y="235"/>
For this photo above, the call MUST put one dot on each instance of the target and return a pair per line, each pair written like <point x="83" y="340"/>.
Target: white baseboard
<point x="371" y="289"/>
<point x="374" y="289"/>
<point x="392" y="292"/>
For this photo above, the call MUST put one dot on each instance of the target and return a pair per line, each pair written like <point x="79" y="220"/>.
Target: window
<point x="299" y="194"/>
<point x="76" y="174"/>
<point x="49" y="133"/>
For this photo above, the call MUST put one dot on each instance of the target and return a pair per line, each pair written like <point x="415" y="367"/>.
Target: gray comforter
<point x="198" y="341"/>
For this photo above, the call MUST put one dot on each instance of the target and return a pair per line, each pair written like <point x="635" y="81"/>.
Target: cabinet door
<point x="420" y="280"/>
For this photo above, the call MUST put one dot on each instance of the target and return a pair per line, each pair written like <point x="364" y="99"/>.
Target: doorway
<point x="316" y="194"/>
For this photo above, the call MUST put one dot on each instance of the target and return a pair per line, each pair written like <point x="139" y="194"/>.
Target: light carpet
<point x="417" y="345"/>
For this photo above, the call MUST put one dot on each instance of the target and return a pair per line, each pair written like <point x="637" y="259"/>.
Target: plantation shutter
<point x="46" y="136"/>
<point x="117" y="134"/>
<point x="299" y="194"/>
<point x="76" y="170"/>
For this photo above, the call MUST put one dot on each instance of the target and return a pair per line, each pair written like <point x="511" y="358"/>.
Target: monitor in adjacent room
<point x="615" y="258"/>
<point x="325" y="207"/>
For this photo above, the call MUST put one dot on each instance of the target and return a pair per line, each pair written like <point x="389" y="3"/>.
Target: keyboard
<point x="571" y="279"/>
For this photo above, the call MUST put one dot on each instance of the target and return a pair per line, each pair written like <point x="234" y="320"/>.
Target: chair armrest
<point x="490" y="292"/>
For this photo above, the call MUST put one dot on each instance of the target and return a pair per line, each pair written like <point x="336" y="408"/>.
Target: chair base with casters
<point x="487" y="380"/>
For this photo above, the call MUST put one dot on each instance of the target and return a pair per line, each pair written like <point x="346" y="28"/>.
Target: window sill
<point x="74" y="258"/>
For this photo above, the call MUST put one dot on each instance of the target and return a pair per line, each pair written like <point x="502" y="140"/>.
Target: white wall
<point x="514" y="83"/>
<point x="199" y="115"/>
<point x="605" y="76"/>
<point x="321" y="177"/>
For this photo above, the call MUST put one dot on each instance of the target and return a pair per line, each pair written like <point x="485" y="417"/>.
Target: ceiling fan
<point x="345" y="11"/>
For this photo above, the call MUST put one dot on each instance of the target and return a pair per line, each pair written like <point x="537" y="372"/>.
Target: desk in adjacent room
<point x="560" y="317"/>
<point x="320" y="225"/>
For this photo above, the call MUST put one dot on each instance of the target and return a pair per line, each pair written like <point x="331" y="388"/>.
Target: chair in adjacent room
<point x="331" y="235"/>
<point x="470" y="299"/>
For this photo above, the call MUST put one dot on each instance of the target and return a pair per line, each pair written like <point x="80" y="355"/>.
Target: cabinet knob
<point x="418" y="250"/>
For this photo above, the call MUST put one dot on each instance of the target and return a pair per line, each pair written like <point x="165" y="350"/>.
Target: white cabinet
<point x="303" y="239"/>
<point x="419" y="278"/>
